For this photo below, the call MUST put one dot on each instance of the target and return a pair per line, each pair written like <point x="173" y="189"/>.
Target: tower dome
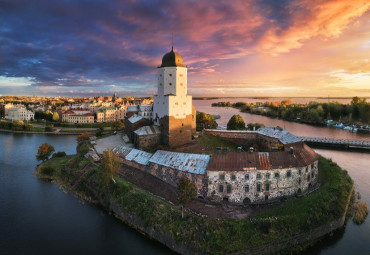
<point x="172" y="58"/>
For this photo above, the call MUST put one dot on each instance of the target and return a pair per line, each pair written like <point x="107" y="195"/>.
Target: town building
<point x="19" y="113"/>
<point x="78" y="115"/>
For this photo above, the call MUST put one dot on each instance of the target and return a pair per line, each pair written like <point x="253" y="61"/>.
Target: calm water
<point x="36" y="217"/>
<point x="353" y="239"/>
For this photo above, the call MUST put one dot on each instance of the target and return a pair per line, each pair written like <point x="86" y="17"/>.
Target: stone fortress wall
<point x="237" y="177"/>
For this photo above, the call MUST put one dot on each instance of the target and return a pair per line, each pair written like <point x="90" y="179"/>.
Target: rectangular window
<point x="222" y="177"/>
<point x="299" y="181"/>
<point x="289" y="174"/>
<point x="268" y="176"/>
<point x="258" y="187"/>
<point x="170" y="74"/>
<point x="267" y="187"/>
<point x="221" y="188"/>
<point x="276" y="175"/>
<point x="258" y="176"/>
<point x="233" y="177"/>
<point x="246" y="188"/>
<point x="312" y="175"/>
<point x="312" y="166"/>
<point x="228" y="188"/>
<point x="247" y="177"/>
<point x="306" y="169"/>
<point x="308" y="177"/>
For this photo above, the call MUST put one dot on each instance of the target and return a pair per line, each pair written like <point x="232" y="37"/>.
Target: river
<point x="36" y="217"/>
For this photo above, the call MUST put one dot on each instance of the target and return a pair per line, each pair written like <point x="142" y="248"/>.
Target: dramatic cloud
<point x="237" y="47"/>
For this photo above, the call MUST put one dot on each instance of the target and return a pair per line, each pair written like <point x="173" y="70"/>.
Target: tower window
<point x="170" y="84"/>
<point x="170" y="74"/>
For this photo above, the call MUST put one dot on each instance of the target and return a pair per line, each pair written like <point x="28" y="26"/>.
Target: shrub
<point x="28" y="127"/>
<point x="236" y="123"/>
<point x="47" y="170"/>
<point x="361" y="212"/>
<point x="82" y="148"/>
<point x="59" y="154"/>
<point x="49" y="129"/>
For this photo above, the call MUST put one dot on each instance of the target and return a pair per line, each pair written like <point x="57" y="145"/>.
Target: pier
<point x="336" y="143"/>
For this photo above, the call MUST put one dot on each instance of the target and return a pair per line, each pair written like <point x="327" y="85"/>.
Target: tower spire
<point x="172" y="41"/>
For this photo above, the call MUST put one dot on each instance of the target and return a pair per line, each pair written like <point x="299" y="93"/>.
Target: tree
<point x="110" y="164"/>
<point x="83" y="137"/>
<point x="28" y="127"/>
<point x="186" y="191"/>
<point x="44" y="152"/>
<point x="205" y="120"/>
<point x="55" y="116"/>
<point x="236" y="122"/>
<point x="18" y="124"/>
<point x="118" y="125"/>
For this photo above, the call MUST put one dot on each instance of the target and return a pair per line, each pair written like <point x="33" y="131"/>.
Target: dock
<point x="336" y="143"/>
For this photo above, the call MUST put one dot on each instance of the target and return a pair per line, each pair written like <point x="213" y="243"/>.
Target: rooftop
<point x="241" y="161"/>
<point x="284" y="136"/>
<point x="187" y="162"/>
<point x="135" y="118"/>
<point x="148" y="130"/>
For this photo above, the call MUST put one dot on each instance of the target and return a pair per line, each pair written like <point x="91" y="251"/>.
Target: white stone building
<point x="20" y="113"/>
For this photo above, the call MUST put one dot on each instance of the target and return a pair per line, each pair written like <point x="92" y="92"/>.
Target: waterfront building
<point x="19" y="113"/>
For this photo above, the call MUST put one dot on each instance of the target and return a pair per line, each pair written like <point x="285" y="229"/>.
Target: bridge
<point x="336" y="143"/>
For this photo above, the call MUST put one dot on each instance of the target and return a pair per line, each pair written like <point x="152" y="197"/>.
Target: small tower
<point x="172" y="106"/>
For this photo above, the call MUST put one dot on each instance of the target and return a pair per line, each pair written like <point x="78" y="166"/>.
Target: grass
<point x="75" y="131"/>
<point x="207" y="144"/>
<point x="221" y="236"/>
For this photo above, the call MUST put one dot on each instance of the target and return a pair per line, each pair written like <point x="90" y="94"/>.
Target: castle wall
<point x="243" y="185"/>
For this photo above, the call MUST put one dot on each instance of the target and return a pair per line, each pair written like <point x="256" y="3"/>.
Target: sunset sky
<point x="232" y="48"/>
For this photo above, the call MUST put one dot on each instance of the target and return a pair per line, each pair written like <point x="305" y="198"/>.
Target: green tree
<point x="186" y="191"/>
<point x="44" y="152"/>
<point x="205" y="120"/>
<point x="28" y="127"/>
<point x="55" y="116"/>
<point x="118" y="125"/>
<point x="236" y="122"/>
<point x="111" y="165"/>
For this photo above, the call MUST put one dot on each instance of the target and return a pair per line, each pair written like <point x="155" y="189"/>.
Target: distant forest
<point x="357" y="112"/>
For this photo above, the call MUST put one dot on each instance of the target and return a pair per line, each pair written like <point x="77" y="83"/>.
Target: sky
<point x="253" y="48"/>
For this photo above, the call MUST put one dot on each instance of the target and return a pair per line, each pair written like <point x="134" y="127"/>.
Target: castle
<point x="282" y="166"/>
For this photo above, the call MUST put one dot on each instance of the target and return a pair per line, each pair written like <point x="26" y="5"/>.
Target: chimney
<point x="291" y="150"/>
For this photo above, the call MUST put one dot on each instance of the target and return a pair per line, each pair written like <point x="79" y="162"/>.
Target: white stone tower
<point x="172" y="106"/>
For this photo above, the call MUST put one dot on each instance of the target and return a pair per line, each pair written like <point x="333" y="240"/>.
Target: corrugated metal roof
<point x="148" y="130"/>
<point x="135" y="118"/>
<point x="284" y="136"/>
<point x="140" y="157"/>
<point x="122" y="150"/>
<point x="187" y="162"/>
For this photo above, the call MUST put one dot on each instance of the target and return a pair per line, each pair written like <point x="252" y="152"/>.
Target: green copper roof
<point x="172" y="58"/>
